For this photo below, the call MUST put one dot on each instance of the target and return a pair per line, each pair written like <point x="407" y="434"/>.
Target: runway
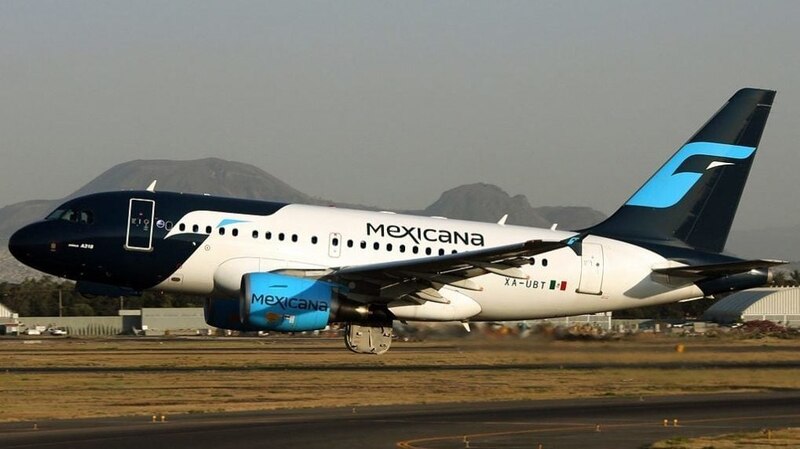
<point x="579" y="423"/>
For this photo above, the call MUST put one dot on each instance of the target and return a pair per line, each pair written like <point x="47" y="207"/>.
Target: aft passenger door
<point x="139" y="236"/>
<point x="591" y="269"/>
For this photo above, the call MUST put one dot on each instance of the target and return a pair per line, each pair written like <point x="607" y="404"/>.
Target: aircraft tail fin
<point x="692" y="199"/>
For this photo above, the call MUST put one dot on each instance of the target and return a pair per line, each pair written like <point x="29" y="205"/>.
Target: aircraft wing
<point x="720" y="269"/>
<point x="418" y="280"/>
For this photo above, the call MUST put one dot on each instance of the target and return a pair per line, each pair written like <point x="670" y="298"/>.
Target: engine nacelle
<point x="275" y="302"/>
<point x="286" y="303"/>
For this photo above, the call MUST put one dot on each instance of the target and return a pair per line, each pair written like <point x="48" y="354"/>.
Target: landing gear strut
<point x="368" y="339"/>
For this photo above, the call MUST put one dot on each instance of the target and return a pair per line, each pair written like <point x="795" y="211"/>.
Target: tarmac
<point x="564" y="424"/>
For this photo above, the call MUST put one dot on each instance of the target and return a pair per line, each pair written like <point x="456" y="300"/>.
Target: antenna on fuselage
<point x="152" y="186"/>
<point x="502" y="221"/>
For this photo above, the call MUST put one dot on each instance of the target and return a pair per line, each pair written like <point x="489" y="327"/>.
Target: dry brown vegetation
<point x="65" y="378"/>
<point x="782" y="438"/>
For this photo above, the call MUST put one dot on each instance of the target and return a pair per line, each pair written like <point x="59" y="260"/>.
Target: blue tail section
<point x="691" y="200"/>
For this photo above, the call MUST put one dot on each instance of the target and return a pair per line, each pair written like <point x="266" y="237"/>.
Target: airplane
<point x="267" y="266"/>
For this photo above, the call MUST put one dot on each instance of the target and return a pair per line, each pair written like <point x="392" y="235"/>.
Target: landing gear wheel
<point x="368" y="339"/>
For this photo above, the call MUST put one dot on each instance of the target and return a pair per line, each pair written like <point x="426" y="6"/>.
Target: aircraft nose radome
<point x="20" y="244"/>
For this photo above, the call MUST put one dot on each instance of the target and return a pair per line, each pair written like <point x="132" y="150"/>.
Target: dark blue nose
<point x="26" y="244"/>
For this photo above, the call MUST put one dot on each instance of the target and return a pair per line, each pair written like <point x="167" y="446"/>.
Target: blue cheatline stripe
<point x="666" y="187"/>
<point x="228" y="221"/>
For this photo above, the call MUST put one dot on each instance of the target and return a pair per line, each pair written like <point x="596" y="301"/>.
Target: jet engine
<point x="275" y="302"/>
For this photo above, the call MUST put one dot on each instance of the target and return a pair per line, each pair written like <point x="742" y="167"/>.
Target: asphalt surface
<point x="580" y="423"/>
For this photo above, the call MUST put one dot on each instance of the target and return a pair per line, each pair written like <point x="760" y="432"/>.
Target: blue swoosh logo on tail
<point x="666" y="187"/>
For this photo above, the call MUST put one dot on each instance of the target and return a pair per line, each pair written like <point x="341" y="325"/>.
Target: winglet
<point x="152" y="186"/>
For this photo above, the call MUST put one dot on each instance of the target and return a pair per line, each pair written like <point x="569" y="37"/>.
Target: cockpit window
<point x="72" y="215"/>
<point x="55" y="215"/>
<point x="86" y="217"/>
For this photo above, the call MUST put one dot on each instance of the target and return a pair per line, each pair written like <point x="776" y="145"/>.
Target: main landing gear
<point x="368" y="339"/>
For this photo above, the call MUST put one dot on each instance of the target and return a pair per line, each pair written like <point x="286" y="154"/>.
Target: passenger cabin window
<point x="294" y="237"/>
<point x="182" y="227"/>
<point x="376" y="246"/>
<point x="388" y="247"/>
<point x="195" y="228"/>
<point x="208" y="229"/>
<point x="314" y="240"/>
<point x="281" y="236"/>
<point x="221" y="231"/>
<point x="268" y="235"/>
<point x="255" y="234"/>
<point x="363" y="245"/>
<point x="335" y="242"/>
<point x="235" y="232"/>
<point x="349" y="243"/>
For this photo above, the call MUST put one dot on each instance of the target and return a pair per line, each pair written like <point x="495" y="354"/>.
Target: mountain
<point x="479" y="202"/>
<point x="485" y="202"/>
<point x="571" y="217"/>
<point x="488" y="203"/>
<point x="213" y="176"/>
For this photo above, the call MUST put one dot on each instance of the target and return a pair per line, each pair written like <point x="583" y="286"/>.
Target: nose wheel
<point x="368" y="339"/>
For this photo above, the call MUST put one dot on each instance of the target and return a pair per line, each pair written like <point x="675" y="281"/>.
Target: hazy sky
<point x="568" y="103"/>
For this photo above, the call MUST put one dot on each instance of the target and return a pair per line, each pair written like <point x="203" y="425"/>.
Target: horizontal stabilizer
<point x="719" y="269"/>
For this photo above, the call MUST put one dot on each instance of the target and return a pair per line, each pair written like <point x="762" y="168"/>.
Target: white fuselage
<point x="609" y="275"/>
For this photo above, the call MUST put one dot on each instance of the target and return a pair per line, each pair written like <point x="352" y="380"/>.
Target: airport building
<point x="779" y="305"/>
<point x="9" y="321"/>
<point x="145" y="321"/>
